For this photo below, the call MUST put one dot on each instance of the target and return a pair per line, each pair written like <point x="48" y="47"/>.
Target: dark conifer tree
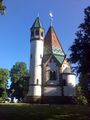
<point x="80" y="51"/>
<point x="2" y="7"/>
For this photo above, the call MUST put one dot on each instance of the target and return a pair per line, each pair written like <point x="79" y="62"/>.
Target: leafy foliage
<point x="2" y="7"/>
<point x="85" y="85"/>
<point x="18" y="71"/>
<point x="80" y="50"/>
<point x="80" y="53"/>
<point x="19" y="75"/>
<point x="4" y="76"/>
<point x="80" y="98"/>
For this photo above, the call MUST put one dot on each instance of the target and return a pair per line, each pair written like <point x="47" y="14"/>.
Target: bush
<point x="80" y="98"/>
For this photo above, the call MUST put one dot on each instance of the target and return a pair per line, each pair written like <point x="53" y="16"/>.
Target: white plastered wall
<point x="53" y="67"/>
<point x="52" y="88"/>
<point x="36" y="68"/>
<point x="69" y="89"/>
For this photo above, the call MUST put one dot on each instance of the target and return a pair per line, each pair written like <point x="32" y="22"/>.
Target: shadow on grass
<point x="43" y="112"/>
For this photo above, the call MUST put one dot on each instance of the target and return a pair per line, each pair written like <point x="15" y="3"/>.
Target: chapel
<point x="51" y="77"/>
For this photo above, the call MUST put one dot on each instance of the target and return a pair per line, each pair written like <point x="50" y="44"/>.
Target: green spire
<point x="37" y="24"/>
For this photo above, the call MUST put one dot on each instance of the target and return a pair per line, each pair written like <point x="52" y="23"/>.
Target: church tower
<point x="36" y="42"/>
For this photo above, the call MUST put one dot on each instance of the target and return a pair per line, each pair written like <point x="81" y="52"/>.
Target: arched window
<point x="40" y="56"/>
<point x="37" y="32"/>
<point x="31" y="56"/>
<point x="64" y="82"/>
<point x="32" y="33"/>
<point x="52" y="75"/>
<point x="42" y="34"/>
<point x="37" y="82"/>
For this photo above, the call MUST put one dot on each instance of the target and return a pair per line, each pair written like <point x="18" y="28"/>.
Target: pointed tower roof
<point x="52" y="45"/>
<point x="37" y="24"/>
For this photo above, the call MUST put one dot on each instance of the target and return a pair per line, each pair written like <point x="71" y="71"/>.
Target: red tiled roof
<point x="52" y="45"/>
<point x="51" y="40"/>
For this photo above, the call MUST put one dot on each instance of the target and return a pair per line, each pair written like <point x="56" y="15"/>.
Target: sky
<point x="20" y="15"/>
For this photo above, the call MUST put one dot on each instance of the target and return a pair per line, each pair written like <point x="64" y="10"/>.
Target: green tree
<point x="19" y="75"/>
<point x="4" y="76"/>
<point x="80" y="98"/>
<point x="2" y="7"/>
<point x="80" y="51"/>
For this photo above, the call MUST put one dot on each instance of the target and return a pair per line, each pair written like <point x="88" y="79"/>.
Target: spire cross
<point x="51" y="18"/>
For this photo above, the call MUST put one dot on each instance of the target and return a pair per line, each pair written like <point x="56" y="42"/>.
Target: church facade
<point x="51" y="76"/>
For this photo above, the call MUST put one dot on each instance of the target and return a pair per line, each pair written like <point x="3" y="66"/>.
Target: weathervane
<point x="51" y="18"/>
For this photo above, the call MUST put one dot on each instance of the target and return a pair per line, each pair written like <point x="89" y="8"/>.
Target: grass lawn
<point x="22" y="111"/>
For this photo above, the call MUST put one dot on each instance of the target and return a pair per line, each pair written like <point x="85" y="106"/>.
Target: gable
<point x="66" y="66"/>
<point x="52" y="46"/>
